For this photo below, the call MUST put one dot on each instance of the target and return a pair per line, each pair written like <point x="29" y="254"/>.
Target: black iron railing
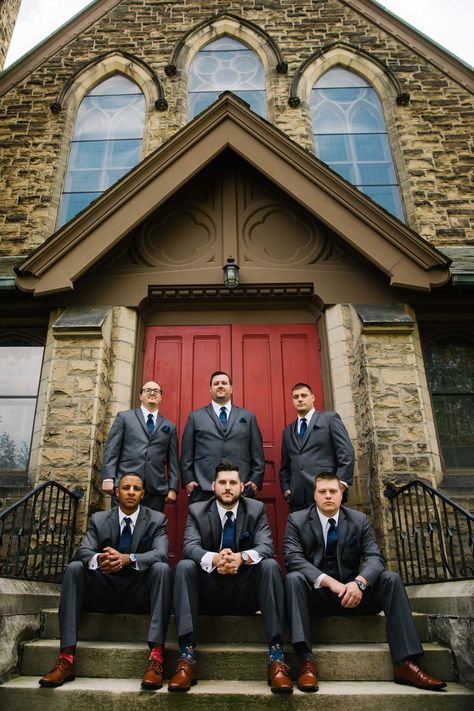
<point x="433" y="535"/>
<point x="37" y="533"/>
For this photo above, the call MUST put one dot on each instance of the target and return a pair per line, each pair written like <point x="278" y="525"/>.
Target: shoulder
<point x="100" y="517"/>
<point x="252" y="506"/>
<point x="242" y="413"/>
<point x="300" y="519"/>
<point x="201" y="508"/>
<point x="197" y="413"/>
<point x="126" y="414"/>
<point x="356" y="517"/>
<point x="153" y="516"/>
<point x="167" y="423"/>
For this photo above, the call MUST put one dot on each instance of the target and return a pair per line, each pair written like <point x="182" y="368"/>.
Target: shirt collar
<point x="147" y="412"/>
<point x="308" y="416"/>
<point x="133" y="516"/>
<point x="222" y="511"/>
<point x="325" y="519"/>
<point x="217" y="407"/>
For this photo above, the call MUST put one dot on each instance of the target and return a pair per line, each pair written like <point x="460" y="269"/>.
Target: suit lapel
<point x="318" y="537"/>
<point x="210" y="411"/>
<point x="215" y="526"/>
<point x="234" y="411"/>
<point x="309" y="428"/>
<point x="141" y="421"/>
<point x="113" y="526"/>
<point x="240" y="522"/>
<point x="139" y="529"/>
<point x="343" y="530"/>
<point x="159" y="422"/>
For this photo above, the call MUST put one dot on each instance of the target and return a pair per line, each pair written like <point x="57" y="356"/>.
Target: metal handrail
<point x="37" y="533"/>
<point x="434" y="538"/>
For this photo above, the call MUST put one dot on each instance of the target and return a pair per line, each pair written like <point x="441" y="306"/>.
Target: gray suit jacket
<point x="357" y="550"/>
<point x="130" y="448"/>
<point x="206" y="444"/>
<point x="203" y="531"/>
<point x="326" y="447"/>
<point x="149" y="540"/>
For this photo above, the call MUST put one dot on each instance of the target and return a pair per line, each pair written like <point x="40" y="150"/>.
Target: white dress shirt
<point x="217" y="408"/>
<point x="251" y="555"/>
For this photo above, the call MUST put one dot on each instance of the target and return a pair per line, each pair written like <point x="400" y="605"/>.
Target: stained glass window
<point x="450" y="367"/>
<point x="351" y="137"/>
<point x="226" y="65"/>
<point x="20" y="368"/>
<point x="106" y="144"/>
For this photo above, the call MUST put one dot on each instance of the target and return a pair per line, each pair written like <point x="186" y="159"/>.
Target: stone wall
<point x="432" y="136"/>
<point x="8" y="16"/>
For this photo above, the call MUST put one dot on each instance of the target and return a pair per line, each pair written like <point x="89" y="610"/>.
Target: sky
<point x="450" y="24"/>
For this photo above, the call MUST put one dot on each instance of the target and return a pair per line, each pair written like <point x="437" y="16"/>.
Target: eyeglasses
<point x="151" y="391"/>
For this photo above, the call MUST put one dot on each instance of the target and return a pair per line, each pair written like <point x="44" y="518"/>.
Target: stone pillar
<point x="76" y="395"/>
<point x="394" y="409"/>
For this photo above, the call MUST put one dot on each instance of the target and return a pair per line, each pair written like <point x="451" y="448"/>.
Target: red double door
<point x="265" y="361"/>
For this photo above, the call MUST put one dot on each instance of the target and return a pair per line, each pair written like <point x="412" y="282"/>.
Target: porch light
<point x="231" y="273"/>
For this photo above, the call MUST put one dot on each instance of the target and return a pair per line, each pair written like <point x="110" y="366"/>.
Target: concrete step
<point x="343" y="662"/>
<point x="118" y="694"/>
<point x="134" y="628"/>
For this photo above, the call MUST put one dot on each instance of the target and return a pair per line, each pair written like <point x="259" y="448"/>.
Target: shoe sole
<point x="150" y="686"/>
<point x="418" y="686"/>
<point x="53" y="685"/>
<point x="308" y="688"/>
<point x="182" y="688"/>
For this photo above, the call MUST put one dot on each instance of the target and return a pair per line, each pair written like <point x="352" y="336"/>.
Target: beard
<point x="228" y="501"/>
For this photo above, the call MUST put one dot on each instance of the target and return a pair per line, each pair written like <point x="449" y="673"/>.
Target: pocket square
<point x="165" y="428"/>
<point x="243" y="421"/>
<point x="353" y="541"/>
<point x="244" y="535"/>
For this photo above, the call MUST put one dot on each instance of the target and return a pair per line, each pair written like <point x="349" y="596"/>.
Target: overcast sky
<point x="450" y="24"/>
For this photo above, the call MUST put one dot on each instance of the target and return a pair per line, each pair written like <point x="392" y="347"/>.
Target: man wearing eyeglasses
<point x="144" y="442"/>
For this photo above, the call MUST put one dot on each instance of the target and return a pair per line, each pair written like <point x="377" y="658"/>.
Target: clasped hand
<point x="111" y="561"/>
<point x="227" y="562"/>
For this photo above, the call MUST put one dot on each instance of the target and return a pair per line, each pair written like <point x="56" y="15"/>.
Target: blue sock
<point x="186" y="651"/>
<point x="275" y="650"/>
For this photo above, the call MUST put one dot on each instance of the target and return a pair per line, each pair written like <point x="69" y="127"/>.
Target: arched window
<point x="226" y="65"/>
<point x="351" y="137"/>
<point x="106" y="143"/>
<point x="450" y="369"/>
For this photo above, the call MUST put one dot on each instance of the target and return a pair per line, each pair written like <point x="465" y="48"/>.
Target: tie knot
<point x="224" y="409"/>
<point x="230" y="515"/>
<point x="127" y="520"/>
<point x="332" y="522"/>
<point x="150" y="417"/>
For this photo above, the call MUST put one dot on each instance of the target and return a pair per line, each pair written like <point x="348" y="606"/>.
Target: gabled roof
<point x="407" y="259"/>
<point x="372" y="11"/>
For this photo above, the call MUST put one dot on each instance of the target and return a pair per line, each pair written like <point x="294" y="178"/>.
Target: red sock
<point x="157" y="653"/>
<point x="68" y="654"/>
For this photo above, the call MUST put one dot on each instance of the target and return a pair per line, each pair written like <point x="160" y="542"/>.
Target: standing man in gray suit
<point x="220" y="431"/>
<point x="335" y="568"/>
<point x="144" y="442"/>
<point x="121" y="566"/>
<point x="316" y="442"/>
<point x="228" y="569"/>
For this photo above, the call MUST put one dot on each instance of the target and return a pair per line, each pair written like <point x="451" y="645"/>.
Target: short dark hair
<point x="298" y="386"/>
<point x="327" y="476"/>
<point x="219" y="372"/>
<point x="122" y="476"/>
<point x="226" y="466"/>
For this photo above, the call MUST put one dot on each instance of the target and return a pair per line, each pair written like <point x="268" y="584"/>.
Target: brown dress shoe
<point x="184" y="677"/>
<point x="308" y="676"/>
<point x="279" y="679"/>
<point x="153" y="676"/>
<point x="61" y="672"/>
<point x="410" y="673"/>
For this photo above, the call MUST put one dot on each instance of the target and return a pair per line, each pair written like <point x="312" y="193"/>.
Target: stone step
<point x="134" y="628"/>
<point x="343" y="662"/>
<point x="114" y="694"/>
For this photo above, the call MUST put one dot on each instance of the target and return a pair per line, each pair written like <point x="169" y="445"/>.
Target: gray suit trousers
<point x="83" y="589"/>
<point x="255" y="587"/>
<point x="388" y="594"/>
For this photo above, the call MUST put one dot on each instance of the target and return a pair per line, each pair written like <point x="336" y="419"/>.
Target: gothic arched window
<point x="106" y="143"/>
<point x="226" y="65"/>
<point x="450" y="369"/>
<point x="351" y="137"/>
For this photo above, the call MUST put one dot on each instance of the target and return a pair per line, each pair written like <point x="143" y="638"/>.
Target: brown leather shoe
<point x="153" y="676"/>
<point x="279" y="679"/>
<point x="308" y="676"/>
<point x="410" y="673"/>
<point x="184" y="677"/>
<point x="61" y="672"/>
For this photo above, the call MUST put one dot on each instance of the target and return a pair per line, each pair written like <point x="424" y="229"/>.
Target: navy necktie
<point x="150" y="424"/>
<point x="303" y="426"/>
<point x="228" y="531"/>
<point x="125" y="537"/>
<point x="332" y="539"/>
<point x="223" y="417"/>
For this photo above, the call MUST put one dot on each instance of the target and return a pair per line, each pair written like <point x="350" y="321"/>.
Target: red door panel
<point x="265" y="361"/>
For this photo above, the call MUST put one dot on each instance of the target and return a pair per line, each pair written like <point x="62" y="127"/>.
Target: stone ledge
<point x="450" y="598"/>
<point x="23" y="597"/>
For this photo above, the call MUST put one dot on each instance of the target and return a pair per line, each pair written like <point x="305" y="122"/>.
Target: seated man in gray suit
<point x="335" y="568"/>
<point x="121" y="566"/>
<point x="228" y="569"/>
<point x="143" y="441"/>
<point x="316" y="441"/>
<point x="220" y="431"/>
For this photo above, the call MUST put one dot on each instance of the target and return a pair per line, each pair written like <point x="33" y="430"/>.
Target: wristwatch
<point x="133" y="558"/>
<point x="362" y="586"/>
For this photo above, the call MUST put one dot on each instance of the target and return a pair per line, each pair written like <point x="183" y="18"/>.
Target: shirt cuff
<point x="109" y="479"/>
<point x="319" y="580"/>
<point x="343" y="482"/>
<point x="93" y="564"/>
<point x="252" y="555"/>
<point x="206" y="562"/>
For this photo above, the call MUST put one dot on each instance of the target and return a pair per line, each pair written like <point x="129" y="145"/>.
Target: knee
<point x="74" y="569"/>
<point x="390" y="580"/>
<point x="185" y="568"/>
<point x="270" y="566"/>
<point x="160" y="570"/>
<point x="294" y="581"/>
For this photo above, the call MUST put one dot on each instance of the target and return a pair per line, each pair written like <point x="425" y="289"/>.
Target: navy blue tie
<point x="125" y="537"/>
<point x="228" y="531"/>
<point x="332" y="539"/>
<point x="223" y="417"/>
<point x="303" y="426"/>
<point x="150" y="424"/>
